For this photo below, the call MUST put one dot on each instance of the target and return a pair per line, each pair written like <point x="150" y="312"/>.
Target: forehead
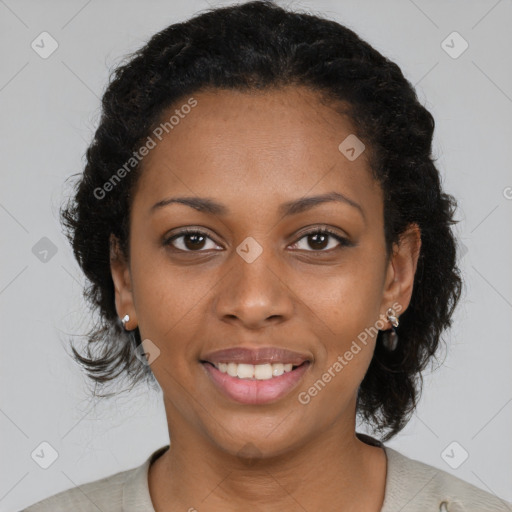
<point x="251" y="147"/>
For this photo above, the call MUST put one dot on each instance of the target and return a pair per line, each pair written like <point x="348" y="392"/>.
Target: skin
<point x="253" y="152"/>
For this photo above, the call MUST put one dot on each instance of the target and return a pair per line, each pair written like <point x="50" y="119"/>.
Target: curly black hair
<point x="259" y="46"/>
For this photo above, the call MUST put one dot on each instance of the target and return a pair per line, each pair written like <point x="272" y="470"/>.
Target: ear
<point x="122" y="283"/>
<point x="401" y="270"/>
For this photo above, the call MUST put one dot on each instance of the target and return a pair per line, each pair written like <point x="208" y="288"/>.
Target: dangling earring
<point x="390" y="337"/>
<point x="125" y="319"/>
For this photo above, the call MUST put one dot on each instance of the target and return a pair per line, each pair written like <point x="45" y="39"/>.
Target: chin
<point x="260" y="438"/>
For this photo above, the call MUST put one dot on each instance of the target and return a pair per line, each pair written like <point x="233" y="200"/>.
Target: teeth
<point x="245" y="371"/>
<point x="250" y="371"/>
<point x="262" y="371"/>
<point x="232" y="369"/>
<point x="277" y="369"/>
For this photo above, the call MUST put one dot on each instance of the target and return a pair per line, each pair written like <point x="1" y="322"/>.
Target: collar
<point x="136" y="495"/>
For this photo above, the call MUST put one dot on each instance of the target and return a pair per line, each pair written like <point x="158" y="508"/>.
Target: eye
<point x="318" y="237"/>
<point x="193" y="240"/>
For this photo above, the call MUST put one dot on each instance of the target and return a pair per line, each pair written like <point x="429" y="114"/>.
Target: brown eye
<point x="318" y="240"/>
<point x="193" y="241"/>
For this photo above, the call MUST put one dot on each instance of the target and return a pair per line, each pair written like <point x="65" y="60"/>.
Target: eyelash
<point x="344" y="242"/>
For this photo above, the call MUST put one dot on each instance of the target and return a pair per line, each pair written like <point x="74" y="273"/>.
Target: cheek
<point x="347" y="308"/>
<point x="336" y="378"/>
<point x="348" y="302"/>
<point x="168" y="299"/>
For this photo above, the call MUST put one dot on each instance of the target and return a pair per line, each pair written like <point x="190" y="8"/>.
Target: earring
<point x="390" y="337"/>
<point x="125" y="319"/>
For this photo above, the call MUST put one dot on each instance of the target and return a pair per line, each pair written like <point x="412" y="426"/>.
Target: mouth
<point x="255" y="376"/>
<point x="245" y="371"/>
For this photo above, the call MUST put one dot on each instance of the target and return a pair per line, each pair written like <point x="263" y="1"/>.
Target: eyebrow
<point x="206" y="205"/>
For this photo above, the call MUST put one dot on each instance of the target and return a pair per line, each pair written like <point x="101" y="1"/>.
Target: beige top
<point x="411" y="486"/>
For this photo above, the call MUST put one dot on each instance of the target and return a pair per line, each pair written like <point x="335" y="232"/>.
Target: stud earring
<point x="390" y="337"/>
<point x="125" y="319"/>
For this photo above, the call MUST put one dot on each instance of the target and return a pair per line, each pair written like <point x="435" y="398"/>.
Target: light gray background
<point x="50" y="109"/>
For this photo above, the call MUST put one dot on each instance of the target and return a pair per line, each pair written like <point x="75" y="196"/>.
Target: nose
<point x="255" y="292"/>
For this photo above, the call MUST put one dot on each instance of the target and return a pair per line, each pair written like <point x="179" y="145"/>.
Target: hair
<point x="259" y="46"/>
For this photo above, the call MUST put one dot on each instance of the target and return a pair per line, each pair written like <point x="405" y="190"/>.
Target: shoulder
<point x="125" y="491"/>
<point x="104" y="494"/>
<point x="417" y="487"/>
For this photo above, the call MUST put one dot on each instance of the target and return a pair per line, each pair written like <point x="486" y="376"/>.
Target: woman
<point x="266" y="238"/>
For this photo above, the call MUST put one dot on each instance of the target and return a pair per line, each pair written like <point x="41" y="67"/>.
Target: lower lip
<point x="248" y="391"/>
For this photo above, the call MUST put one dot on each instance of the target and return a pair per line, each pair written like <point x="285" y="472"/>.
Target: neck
<point x="334" y="468"/>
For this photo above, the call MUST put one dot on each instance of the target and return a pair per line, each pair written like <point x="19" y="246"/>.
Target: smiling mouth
<point x="246" y="371"/>
<point x="258" y="384"/>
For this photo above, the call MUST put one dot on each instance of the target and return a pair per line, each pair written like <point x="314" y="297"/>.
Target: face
<point x="257" y="272"/>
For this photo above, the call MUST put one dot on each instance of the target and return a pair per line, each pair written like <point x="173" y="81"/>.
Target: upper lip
<point x="259" y="355"/>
